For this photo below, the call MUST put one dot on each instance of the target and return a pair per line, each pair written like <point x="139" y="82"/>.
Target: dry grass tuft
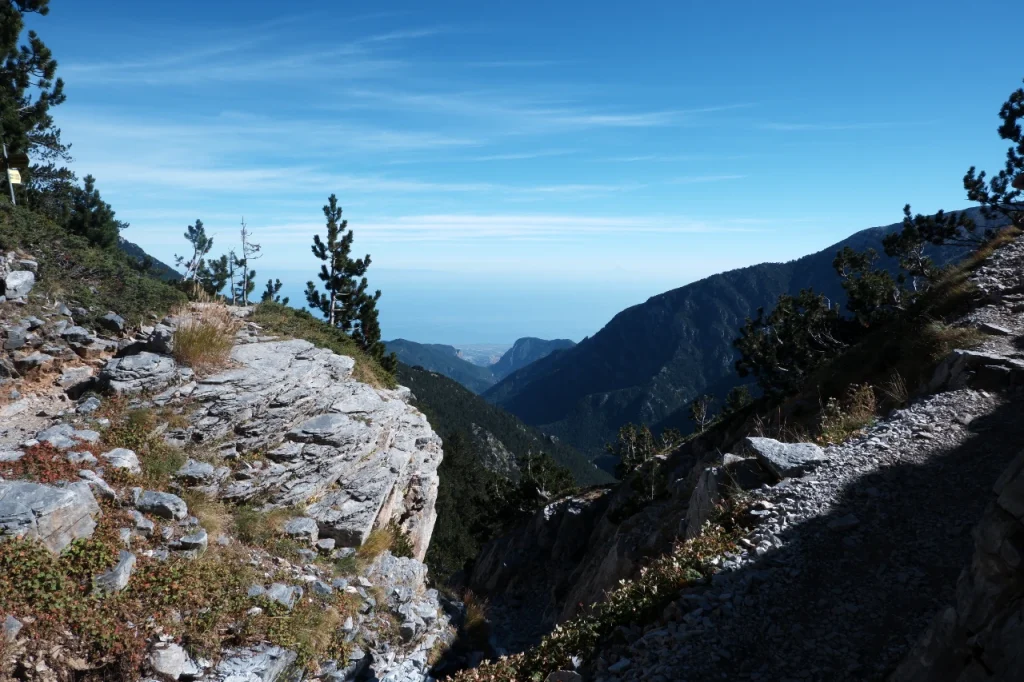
<point x="842" y="419"/>
<point x="213" y="514"/>
<point x="205" y="337"/>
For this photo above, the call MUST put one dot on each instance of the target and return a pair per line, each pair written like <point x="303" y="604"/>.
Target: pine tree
<point x="1004" y="193"/>
<point x="201" y="245"/>
<point x="213" y="275"/>
<point x="28" y="90"/>
<point x="367" y="333"/>
<point x="781" y="349"/>
<point x="271" y="293"/>
<point x="736" y="399"/>
<point x="92" y="218"/>
<point x="341" y="301"/>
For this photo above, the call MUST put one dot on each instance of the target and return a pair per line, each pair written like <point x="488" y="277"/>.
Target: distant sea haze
<point x="438" y="307"/>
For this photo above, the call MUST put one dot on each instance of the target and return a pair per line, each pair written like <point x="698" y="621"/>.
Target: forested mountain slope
<point x="652" y="359"/>
<point x="444" y="359"/>
<point x="526" y="351"/>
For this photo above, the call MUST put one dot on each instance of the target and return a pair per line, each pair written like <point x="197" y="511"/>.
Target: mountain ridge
<point x="651" y="359"/>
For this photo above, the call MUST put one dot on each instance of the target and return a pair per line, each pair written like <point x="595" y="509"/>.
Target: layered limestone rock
<point x="357" y="456"/>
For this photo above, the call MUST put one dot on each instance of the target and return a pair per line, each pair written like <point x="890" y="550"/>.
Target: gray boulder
<point x="16" y="338"/>
<point x="10" y="628"/>
<point x="303" y="528"/>
<point x="32" y="361"/>
<point x="116" y="579"/>
<point x="113" y="322"/>
<point x="171" y="661"/>
<point x="123" y="458"/>
<point x="164" y="505"/>
<point x="785" y="460"/>
<point x="285" y="595"/>
<point x="196" y="473"/>
<point x="59" y="436"/>
<point x="73" y="376"/>
<point x="56" y="516"/>
<point x="17" y="284"/>
<point x="136" y="373"/>
<point x="76" y="334"/>
<point x="89" y="405"/>
<point x="261" y="663"/>
<point x="97" y="484"/>
<point x="161" y="340"/>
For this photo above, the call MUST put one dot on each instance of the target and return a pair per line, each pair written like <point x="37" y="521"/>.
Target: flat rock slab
<point x="136" y="373"/>
<point x="164" y="505"/>
<point x="358" y="455"/>
<point x="785" y="460"/>
<point x="262" y="663"/>
<point x="56" y="516"/>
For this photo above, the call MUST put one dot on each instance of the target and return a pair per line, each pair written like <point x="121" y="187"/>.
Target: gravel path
<point x="852" y="562"/>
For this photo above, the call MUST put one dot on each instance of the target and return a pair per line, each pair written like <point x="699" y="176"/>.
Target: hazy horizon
<point x="528" y="169"/>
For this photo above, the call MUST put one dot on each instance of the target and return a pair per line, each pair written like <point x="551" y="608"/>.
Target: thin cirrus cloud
<point x="239" y="60"/>
<point x="838" y="127"/>
<point x="455" y="227"/>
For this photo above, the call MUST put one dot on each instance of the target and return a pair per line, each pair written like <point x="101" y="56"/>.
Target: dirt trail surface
<point x="853" y="561"/>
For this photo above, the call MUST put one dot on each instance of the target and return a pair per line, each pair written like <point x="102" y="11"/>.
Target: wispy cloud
<point x="873" y="125"/>
<point x="670" y="158"/>
<point x="696" y="179"/>
<point x="247" y="59"/>
<point x="519" y="156"/>
<point x="450" y="227"/>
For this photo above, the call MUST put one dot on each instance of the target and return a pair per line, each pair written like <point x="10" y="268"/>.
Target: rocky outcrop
<point x="980" y="635"/>
<point x="56" y="516"/>
<point x="357" y="456"/>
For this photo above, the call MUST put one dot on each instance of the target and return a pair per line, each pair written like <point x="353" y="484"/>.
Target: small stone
<point x="123" y="458"/>
<point x="16" y="338"/>
<point x="19" y="283"/>
<point x="197" y="541"/>
<point x="11" y="627"/>
<point x="113" y="322"/>
<point x="76" y="334"/>
<point x="116" y="579"/>
<point x="143" y="525"/>
<point x="284" y="595"/>
<point x="196" y="473"/>
<point x="164" y="505"/>
<point x="89" y="405"/>
<point x="323" y="589"/>
<point x="84" y="457"/>
<point x="303" y="528"/>
<point x="98" y="485"/>
<point x="170" y="660"/>
<point x="325" y="545"/>
<point x="256" y="591"/>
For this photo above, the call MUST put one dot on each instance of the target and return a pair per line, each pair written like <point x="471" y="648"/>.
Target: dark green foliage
<point x="273" y="291"/>
<point x="467" y="503"/>
<point x="92" y="218"/>
<point x="781" y="349"/>
<point x="76" y="272"/>
<point x="201" y="244"/>
<point x="451" y="407"/>
<point x="339" y="304"/>
<point x="213" y="275"/>
<point x="1003" y="195"/>
<point x="474" y="503"/>
<point x="367" y="333"/>
<point x="346" y="302"/>
<point x="872" y="294"/>
<point x="736" y="399"/>
<point x="28" y="89"/>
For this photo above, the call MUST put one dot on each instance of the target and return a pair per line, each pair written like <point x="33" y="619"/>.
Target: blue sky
<point x="529" y="168"/>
